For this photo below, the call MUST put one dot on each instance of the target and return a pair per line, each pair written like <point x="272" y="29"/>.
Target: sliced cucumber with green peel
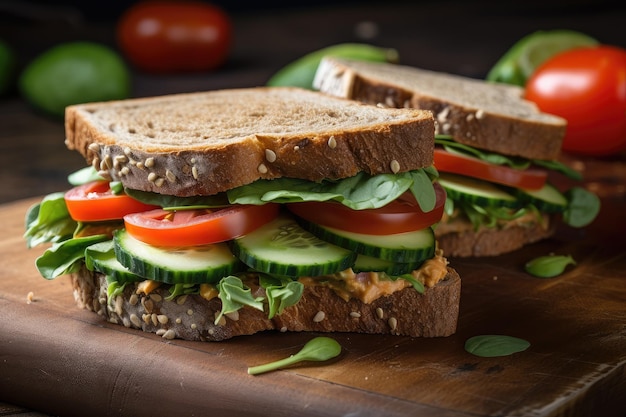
<point x="187" y="265"/>
<point x="474" y="191"/>
<point x="547" y="198"/>
<point x="101" y="257"/>
<point x="282" y="247"/>
<point x="370" y="264"/>
<point x="400" y="247"/>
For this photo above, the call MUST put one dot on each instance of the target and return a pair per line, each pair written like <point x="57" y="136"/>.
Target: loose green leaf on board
<point x="489" y="346"/>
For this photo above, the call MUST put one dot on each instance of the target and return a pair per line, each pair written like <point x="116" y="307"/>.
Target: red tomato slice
<point x="399" y="216"/>
<point x="198" y="227"/>
<point x="94" y="201"/>
<point x="530" y="179"/>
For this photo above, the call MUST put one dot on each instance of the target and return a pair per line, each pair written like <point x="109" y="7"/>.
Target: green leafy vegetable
<point x="317" y="349"/>
<point x="548" y="266"/>
<point x="583" y="207"/>
<point x="417" y="285"/>
<point x="114" y="288"/>
<point x="280" y="292"/>
<point x="65" y="257"/>
<point x="182" y="289"/>
<point x="489" y="216"/>
<point x="83" y="176"/>
<point x="49" y="221"/>
<point x="495" y="158"/>
<point x="359" y="192"/>
<point x="147" y="197"/>
<point x="559" y="167"/>
<point x="234" y="295"/>
<point x="488" y="346"/>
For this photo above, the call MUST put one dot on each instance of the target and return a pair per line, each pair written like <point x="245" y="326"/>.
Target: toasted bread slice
<point x="208" y="142"/>
<point x="192" y="317"/>
<point x="490" y="116"/>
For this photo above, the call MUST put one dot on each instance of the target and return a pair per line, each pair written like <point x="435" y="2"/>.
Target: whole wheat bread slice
<point x="489" y="116"/>
<point x="192" y="317"/>
<point x="208" y="142"/>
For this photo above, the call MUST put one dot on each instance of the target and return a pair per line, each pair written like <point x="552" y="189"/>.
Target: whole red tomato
<point x="174" y="36"/>
<point x="587" y="87"/>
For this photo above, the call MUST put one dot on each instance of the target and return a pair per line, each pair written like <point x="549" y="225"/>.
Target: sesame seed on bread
<point x="490" y="116"/>
<point x="207" y="142"/>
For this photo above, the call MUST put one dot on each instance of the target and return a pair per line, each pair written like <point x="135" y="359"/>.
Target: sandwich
<point x="205" y="216"/>
<point x="495" y="152"/>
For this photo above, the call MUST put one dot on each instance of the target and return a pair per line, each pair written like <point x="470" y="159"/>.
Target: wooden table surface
<point x="63" y="361"/>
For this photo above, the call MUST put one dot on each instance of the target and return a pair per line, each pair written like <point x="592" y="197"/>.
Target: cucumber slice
<point x="547" y="199"/>
<point x="474" y="191"/>
<point x="400" y="247"/>
<point x="101" y="257"/>
<point x="370" y="264"/>
<point x="186" y="265"/>
<point x="282" y="247"/>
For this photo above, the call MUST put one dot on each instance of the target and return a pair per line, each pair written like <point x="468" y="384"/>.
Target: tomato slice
<point x="94" y="201"/>
<point x="199" y="226"/>
<point x="399" y="216"/>
<point x="530" y="179"/>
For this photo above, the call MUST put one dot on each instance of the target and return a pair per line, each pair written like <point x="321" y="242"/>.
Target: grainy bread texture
<point x="191" y="317"/>
<point x="208" y="142"/>
<point x="490" y="116"/>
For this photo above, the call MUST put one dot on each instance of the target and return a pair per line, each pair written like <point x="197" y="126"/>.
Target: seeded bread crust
<point x="467" y="242"/>
<point x="208" y="142"/>
<point x="191" y="317"/>
<point x="490" y="116"/>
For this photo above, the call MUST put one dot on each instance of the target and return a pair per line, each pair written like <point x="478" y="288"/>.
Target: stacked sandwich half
<point x="211" y="215"/>
<point x="494" y="153"/>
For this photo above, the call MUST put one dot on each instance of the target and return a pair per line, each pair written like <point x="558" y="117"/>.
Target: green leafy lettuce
<point x="495" y="158"/>
<point x="49" y="221"/>
<point x="583" y="206"/>
<point x="359" y="192"/>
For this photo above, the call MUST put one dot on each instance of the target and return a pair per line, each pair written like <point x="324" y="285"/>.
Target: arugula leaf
<point x="182" y="289"/>
<point x="281" y="293"/>
<point x="49" y="221"/>
<point x="66" y="256"/>
<point x="234" y="295"/>
<point x="114" y="288"/>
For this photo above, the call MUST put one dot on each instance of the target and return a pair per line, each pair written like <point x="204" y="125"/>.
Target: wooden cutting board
<point x="61" y="360"/>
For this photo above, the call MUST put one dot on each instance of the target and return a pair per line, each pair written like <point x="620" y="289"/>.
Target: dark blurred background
<point x="474" y="32"/>
<point x="462" y="37"/>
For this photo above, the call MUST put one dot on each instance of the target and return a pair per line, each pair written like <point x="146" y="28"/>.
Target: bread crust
<point x="191" y="317"/>
<point x="465" y="241"/>
<point x="521" y="131"/>
<point x="393" y="141"/>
